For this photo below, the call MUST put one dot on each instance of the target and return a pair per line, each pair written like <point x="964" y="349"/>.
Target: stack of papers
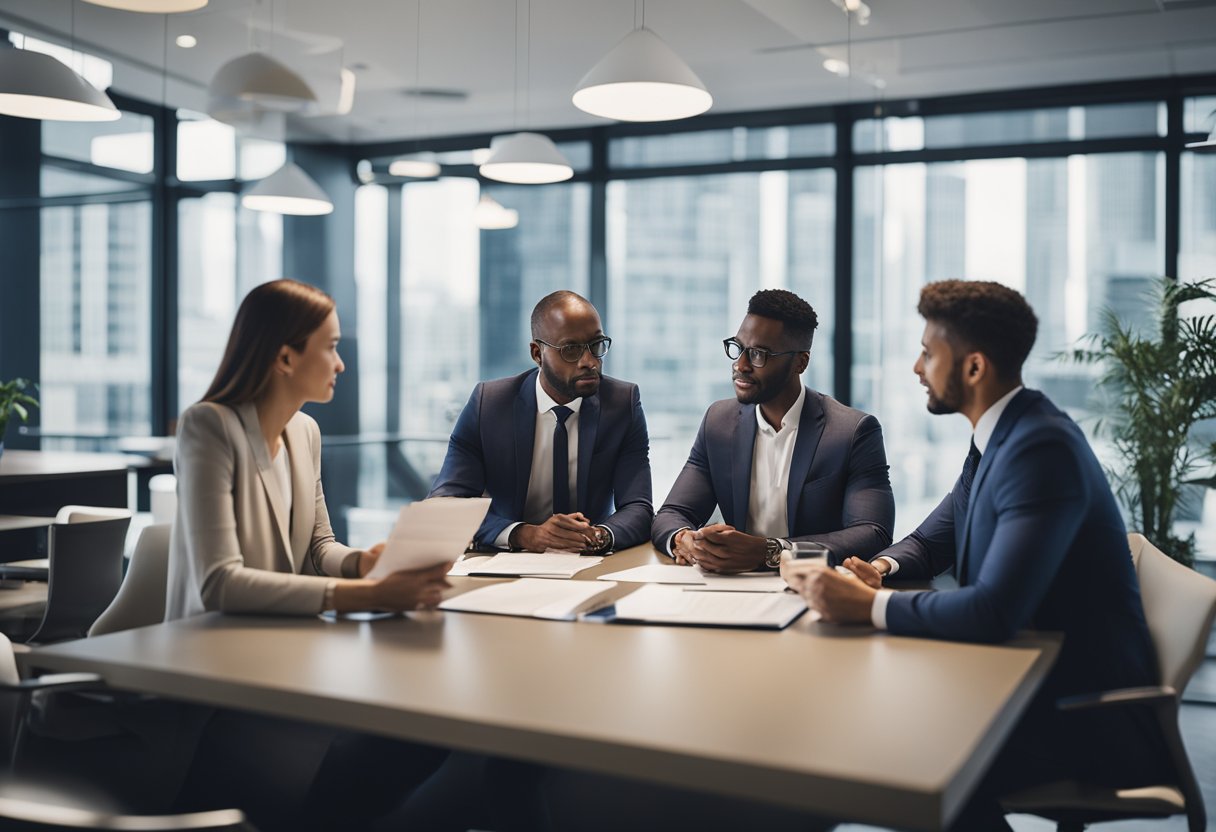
<point x="657" y="604"/>
<point x="533" y="597"/>
<point x="692" y="578"/>
<point x="533" y="565"/>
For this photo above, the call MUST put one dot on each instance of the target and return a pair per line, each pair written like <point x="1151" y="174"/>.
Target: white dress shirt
<point x="282" y="472"/>
<point x="984" y="428"/>
<point x="538" y="507"/>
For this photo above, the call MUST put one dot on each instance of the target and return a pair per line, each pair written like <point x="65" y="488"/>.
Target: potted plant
<point x="14" y="399"/>
<point x="1156" y="385"/>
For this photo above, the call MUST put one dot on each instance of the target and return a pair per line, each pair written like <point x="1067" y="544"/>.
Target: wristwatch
<point x="772" y="552"/>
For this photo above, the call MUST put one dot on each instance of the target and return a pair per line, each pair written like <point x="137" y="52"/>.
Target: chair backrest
<point x="89" y="514"/>
<point x="141" y="598"/>
<point x="1180" y="605"/>
<point x="84" y="576"/>
<point x="8" y="663"/>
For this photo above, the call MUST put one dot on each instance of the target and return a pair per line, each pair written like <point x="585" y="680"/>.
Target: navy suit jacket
<point x="1039" y="544"/>
<point x="490" y="453"/>
<point x="839" y="489"/>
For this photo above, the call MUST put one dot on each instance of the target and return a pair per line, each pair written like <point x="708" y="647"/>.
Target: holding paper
<point x="430" y="532"/>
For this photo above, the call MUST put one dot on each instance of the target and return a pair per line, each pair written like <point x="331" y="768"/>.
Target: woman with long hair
<point x="252" y="535"/>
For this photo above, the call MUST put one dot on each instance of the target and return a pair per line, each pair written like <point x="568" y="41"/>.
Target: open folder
<point x="661" y="604"/>
<point x="533" y="597"/>
<point x="431" y="532"/>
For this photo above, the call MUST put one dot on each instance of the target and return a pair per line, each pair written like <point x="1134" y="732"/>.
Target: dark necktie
<point x="973" y="462"/>
<point x="561" y="461"/>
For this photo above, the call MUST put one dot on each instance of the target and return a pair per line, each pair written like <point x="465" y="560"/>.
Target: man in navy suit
<point x="1036" y="540"/>
<point x="781" y="461"/>
<point x="557" y="447"/>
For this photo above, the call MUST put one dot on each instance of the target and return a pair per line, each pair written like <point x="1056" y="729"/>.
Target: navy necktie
<point x="561" y="461"/>
<point x="972" y="463"/>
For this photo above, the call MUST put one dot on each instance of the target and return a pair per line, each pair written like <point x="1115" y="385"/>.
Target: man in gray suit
<point x="782" y="462"/>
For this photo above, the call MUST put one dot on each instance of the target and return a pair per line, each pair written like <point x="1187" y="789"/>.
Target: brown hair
<point x="272" y="315"/>
<point x="985" y="317"/>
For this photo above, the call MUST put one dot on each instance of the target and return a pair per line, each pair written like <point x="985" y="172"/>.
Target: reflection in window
<point x="734" y="144"/>
<point x="125" y="144"/>
<point x="684" y="256"/>
<point x="210" y="150"/>
<point x="95" y="319"/>
<point x="223" y="252"/>
<point x="1075" y="235"/>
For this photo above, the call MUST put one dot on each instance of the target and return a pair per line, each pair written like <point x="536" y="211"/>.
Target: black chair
<point x="84" y="571"/>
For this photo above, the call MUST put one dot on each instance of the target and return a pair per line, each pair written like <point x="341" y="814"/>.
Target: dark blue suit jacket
<point x="839" y="490"/>
<point x="1040" y="544"/>
<point x="490" y="453"/>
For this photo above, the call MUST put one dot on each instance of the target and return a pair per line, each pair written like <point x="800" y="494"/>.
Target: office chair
<point x="38" y="569"/>
<point x="141" y="597"/>
<point x="84" y="574"/>
<point x="1180" y="606"/>
<point x="29" y="806"/>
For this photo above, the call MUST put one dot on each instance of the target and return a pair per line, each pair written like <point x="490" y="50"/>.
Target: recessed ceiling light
<point x="837" y="67"/>
<point x="186" y="41"/>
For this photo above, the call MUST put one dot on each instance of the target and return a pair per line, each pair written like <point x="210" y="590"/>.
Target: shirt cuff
<point x="878" y="611"/>
<point x="894" y="563"/>
<point x="611" y="538"/>
<point x="503" y="541"/>
<point x="671" y="541"/>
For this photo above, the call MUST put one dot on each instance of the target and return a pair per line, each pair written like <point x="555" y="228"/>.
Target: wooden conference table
<point x="842" y="722"/>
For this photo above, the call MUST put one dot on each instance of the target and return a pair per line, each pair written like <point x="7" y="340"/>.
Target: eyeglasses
<point x="756" y="356"/>
<point x="573" y="352"/>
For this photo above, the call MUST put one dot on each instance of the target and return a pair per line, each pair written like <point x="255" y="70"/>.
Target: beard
<point x="569" y="387"/>
<point x="951" y="399"/>
<point x="762" y="391"/>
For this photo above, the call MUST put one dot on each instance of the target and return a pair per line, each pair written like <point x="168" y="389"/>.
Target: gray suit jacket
<point x="839" y="491"/>
<point x="233" y="547"/>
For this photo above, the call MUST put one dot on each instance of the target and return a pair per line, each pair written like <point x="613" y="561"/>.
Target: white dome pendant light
<point x="490" y="215"/>
<point x="289" y="190"/>
<point x="642" y="79"/>
<point x="152" y="6"/>
<point x="525" y="158"/>
<point x="34" y="85"/>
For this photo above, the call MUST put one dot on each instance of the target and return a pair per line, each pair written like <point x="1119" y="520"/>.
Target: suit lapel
<point x="261" y="454"/>
<point x="1019" y="405"/>
<point x="741" y="463"/>
<point x="810" y="431"/>
<point x="588" y="427"/>
<point x="525" y="436"/>
<point x="303" y="487"/>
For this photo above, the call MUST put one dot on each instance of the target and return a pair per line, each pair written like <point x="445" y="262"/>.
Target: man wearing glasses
<point x="555" y="447"/>
<point x="781" y="461"/>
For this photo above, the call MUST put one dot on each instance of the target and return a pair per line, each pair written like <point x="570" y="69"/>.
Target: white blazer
<point x="233" y="547"/>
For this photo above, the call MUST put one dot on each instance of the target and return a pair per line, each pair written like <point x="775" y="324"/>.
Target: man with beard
<point x="781" y="461"/>
<point x="1036" y="541"/>
<point x="557" y="446"/>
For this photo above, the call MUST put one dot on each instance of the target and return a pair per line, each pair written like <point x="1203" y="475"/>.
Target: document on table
<point x="430" y="532"/>
<point x="467" y="564"/>
<point x="657" y="604"/>
<point x="535" y="565"/>
<point x="742" y="582"/>
<point x="533" y="598"/>
<point x="656" y="573"/>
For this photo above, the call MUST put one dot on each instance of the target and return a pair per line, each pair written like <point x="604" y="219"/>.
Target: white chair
<point x="1180" y="606"/>
<point x="141" y="597"/>
<point x="89" y="514"/>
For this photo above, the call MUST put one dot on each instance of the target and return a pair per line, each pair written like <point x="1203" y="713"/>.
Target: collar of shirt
<point x="986" y="424"/>
<point x="791" y="417"/>
<point x="545" y="403"/>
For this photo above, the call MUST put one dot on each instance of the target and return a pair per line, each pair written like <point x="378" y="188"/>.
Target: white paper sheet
<point x="743" y="582"/>
<point x="531" y="597"/>
<point x="657" y="573"/>
<point x="532" y="564"/>
<point x="430" y="532"/>
<point x="467" y="564"/>
<point x="675" y="605"/>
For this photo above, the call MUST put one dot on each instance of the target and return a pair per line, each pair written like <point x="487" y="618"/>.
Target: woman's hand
<point x="369" y="557"/>
<point x="408" y="590"/>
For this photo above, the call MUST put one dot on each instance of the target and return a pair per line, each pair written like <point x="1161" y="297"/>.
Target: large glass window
<point x="733" y="144"/>
<point x="1076" y="235"/>
<point x="684" y="256"/>
<point x="125" y="144"/>
<point x="96" y="319"/>
<point x="211" y="150"/>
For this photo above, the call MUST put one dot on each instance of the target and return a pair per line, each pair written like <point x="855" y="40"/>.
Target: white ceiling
<point x="752" y="54"/>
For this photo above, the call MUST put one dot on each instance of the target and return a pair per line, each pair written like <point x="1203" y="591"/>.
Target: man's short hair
<point x="548" y="302"/>
<point x="983" y="316"/>
<point x="799" y="318"/>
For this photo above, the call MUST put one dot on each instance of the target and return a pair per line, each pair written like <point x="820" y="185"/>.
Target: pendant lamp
<point x="642" y="79"/>
<point x="1208" y="144"/>
<point x="289" y="190"/>
<point x="152" y="6"/>
<point x="34" y="85"/>
<point x="415" y="166"/>
<point x="525" y="159"/>
<point x="490" y="215"/>
<point x="259" y="79"/>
